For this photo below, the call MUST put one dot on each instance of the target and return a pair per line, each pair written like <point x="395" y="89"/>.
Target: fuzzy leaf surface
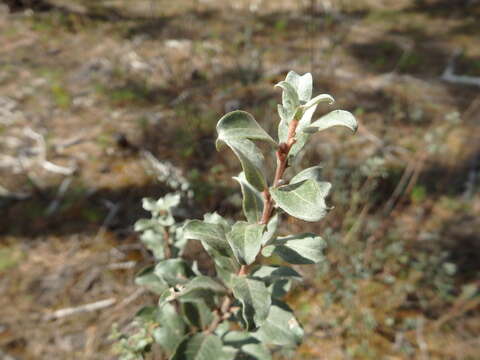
<point x="173" y="271"/>
<point x="171" y="330"/>
<point x="255" y="300"/>
<point x="334" y="118"/>
<point x="246" y="239"/>
<point x="314" y="172"/>
<point x="290" y="99"/>
<point x="199" y="347"/>
<point x="252" y="203"/>
<point x="304" y="200"/>
<point x="251" y="159"/>
<point x="303" y="85"/>
<point x="152" y="282"/>
<point x="211" y="235"/>
<point x="281" y="327"/>
<point x="273" y="273"/>
<point x="304" y="248"/>
<point x="241" y="125"/>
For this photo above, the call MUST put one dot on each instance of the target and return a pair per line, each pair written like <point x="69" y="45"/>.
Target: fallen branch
<point x="102" y="304"/>
<point x="448" y="74"/>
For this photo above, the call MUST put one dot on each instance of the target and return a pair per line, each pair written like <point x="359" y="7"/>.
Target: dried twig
<point x="62" y="189"/>
<point x="448" y="74"/>
<point x="98" y="305"/>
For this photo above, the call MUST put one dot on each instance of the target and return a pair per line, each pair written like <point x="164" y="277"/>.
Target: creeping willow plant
<point x="239" y="313"/>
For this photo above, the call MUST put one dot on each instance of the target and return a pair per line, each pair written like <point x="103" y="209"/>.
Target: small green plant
<point x="238" y="313"/>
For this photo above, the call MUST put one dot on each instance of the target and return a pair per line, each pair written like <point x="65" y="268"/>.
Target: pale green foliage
<point x="238" y="313"/>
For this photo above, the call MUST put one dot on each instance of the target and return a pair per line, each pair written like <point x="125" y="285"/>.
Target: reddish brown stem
<point x="282" y="162"/>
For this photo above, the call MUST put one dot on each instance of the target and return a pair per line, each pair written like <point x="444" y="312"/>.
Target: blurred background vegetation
<point x="102" y="102"/>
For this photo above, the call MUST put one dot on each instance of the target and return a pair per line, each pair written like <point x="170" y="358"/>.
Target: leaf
<point x="281" y="327"/>
<point x="290" y="99"/>
<point x="273" y="273"/>
<point x="201" y="288"/>
<point x="257" y="351"/>
<point x="304" y="248"/>
<point x="211" y="235"/>
<point x="199" y="347"/>
<point x="280" y="288"/>
<point x="173" y="271"/>
<point x="313" y="172"/>
<point x="171" y="330"/>
<point x="165" y="203"/>
<point x="304" y="200"/>
<point x="251" y="160"/>
<point x="317" y="100"/>
<point x="255" y="300"/>
<point x="152" y="282"/>
<point x="249" y="346"/>
<point x="238" y="339"/>
<point x="197" y="313"/>
<point x="272" y="226"/>
<point x="252" y="200"/>
<point x="215" y="218"/>
<point x="334" y="118"/>
<point x="241" y="125"/>
<point x="245" y="239"/>
<point x="303" y="85"/>
<point x="154" y="241"/>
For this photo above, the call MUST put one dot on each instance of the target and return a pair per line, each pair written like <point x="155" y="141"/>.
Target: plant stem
<point x="282" y="163"/>
<point x="167" y="249"/>
<point x="221" y="313"/>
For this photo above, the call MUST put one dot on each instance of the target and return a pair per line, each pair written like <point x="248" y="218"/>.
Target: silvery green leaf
<point x="257" y="351"/>
<point x="281" y="327"/>
<point x="255" y="300"/>
<point x="252" y="200"/>
<point x="268" y="251"/>
<point x="202" y="283"/>
<point x="165" y="203"/>
<point x="334" y="118"/>
<point x="199" y="347"/>
<point x="197" y="313"/>
<point x="147" y="313"/>
<point x="286" y="115"/>
<point x="238" y="339"/>
<point x="280" y="288"/>
<point x="272" y="226"/>
<point x="251" y="160"/>
<point x="152" y="282"/>
<point x="317" y="100"/>
<point x="145" y="224"/>
<point x="270" y="273"/>
<point x="314" y="173"/>
<point x="290" y="99"/>
<point x="215" y="218"/>
<point x="304" y="248"/>
<point x="179" y="240"/>
<point x="245" y="239"/>
<point x="211" y="235"/>
<point x="226" y="267"/>
<point x="303" y="84"/>
<point x="229" y="353"/>
<point x="154" y="241"/>
<point x="173" y="271"/>
<point x="282" y="131"/>
<point x="239" y="125"/>
<point x="171" y="330"/>
<point x="304" y="200"/>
